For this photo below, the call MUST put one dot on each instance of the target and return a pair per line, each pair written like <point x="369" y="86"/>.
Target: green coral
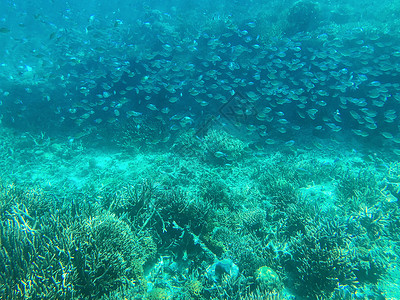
<point x="319" y="262"/>
<point x="303" y="16"/>
<point x="267" y="279"/>
<point x="34" y="250"/>
<point x="107" y="255"/>
<point x="187" y="144"/>
<point x="222" y="148"/>
<point x="52" y="252"/>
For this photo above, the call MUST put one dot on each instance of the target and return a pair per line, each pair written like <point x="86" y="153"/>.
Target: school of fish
<point x="324" y="83"/>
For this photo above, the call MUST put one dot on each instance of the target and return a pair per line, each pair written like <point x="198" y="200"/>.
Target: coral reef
<point x="267" y="279"/>
<point x="303" y="16"/>
<point x="107" y="254"/>
<point x="48" y="252"/>
<point x="267" y="227"/>
<point x="139" y="133"/>
<point x="188" y="144"/>
<point x="222" y="148"/>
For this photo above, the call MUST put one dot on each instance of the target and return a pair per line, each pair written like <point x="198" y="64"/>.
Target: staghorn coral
<point x="194" y="288"/>
<point x="140" y="133"/>
<point x="269" y="221"/>
<point x="107" y="254"/>
<point x="58" y="253"/>
<point x="267" y="279"/>
<point x="187" y="144"/>
<point x="356" y="188"/>
<point x="303" y="15"/>
<point x="34" y="250"/>
<point x="318" y="264"/>
<point x="264" y="295"/>
<point x="222" y="148"/>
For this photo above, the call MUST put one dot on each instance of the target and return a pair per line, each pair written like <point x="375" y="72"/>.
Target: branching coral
<point x="47" y="253"/>
<point x="222" y="148"/>
<point x="34" y="251"/>
<point x="318" y="264"/>
<point x="107" y="254"/>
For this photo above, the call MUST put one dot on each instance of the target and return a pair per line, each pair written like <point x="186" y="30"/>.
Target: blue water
<point x="287" y="100"/>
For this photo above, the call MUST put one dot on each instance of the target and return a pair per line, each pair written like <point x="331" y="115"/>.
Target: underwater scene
<point x="200" y="149"/>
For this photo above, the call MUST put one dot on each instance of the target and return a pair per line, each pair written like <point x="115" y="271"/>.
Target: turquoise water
<point x="213" y="150"/>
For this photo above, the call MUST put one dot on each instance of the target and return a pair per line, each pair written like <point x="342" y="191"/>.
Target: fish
<point x="320" y="82"/>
